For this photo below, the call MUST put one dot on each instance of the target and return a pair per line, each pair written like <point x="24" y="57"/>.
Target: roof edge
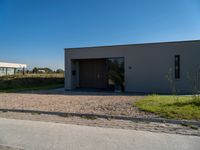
<point x="12" y="65"/>
<point x="151" y="43"/>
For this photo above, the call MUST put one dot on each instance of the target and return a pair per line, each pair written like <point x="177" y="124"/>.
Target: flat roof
<point x="12" y="65"/>
<point x="153" y="43"/>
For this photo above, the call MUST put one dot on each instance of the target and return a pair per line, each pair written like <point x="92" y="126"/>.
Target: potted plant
<point x="117" y="79"/>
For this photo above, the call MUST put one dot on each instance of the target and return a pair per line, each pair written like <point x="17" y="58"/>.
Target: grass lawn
<point x="181" y="107"/>
<point x="47" y="87"/>
<point x="31" y="82"/>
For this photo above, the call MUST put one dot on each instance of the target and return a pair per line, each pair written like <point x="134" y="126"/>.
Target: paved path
<point x="33" y="135"/>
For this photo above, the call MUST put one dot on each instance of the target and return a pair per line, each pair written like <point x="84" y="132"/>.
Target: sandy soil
<point x="93" y="104"/>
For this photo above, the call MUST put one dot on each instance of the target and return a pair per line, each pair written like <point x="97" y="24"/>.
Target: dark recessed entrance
<point x="93" y="73"/>
<point x="105" y="74"/>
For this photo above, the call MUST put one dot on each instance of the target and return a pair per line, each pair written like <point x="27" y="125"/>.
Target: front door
<point x="93" y="73"/>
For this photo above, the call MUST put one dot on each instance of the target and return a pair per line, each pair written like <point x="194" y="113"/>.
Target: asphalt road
<point x="33" y="135"/>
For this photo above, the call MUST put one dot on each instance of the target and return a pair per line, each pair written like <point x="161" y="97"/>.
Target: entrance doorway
<point x="103" y="74"/>
<point x="93" y="73"/>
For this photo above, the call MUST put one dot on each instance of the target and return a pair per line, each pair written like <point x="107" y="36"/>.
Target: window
<point x="73" y="72"/>
<point x="116" y="73"/>
<point x="177" y="66"/>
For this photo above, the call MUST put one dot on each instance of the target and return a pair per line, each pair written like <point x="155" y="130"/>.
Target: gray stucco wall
<point x="150" y="64"/>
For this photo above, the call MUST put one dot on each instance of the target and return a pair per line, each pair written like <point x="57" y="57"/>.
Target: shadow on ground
<point x="84" y="92"/>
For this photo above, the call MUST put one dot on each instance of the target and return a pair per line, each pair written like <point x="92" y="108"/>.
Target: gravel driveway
<point x="95" y="104"/>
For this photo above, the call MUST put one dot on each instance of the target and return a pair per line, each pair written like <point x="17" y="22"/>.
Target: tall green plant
<point x="170" y="78"/>
<point x="116" y="73"/>
<point x="194" y="78"/>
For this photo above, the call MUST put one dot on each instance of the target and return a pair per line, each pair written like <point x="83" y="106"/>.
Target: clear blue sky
<point x="36" y="31"/>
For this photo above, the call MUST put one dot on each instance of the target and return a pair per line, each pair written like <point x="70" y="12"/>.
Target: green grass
<point x="31" y="82"/>
<point x="48" y="87"/>
<point x="180" y="107"/>
<point x="89" y="117"/>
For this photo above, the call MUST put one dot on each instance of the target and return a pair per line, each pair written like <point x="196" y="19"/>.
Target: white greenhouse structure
<point x="10" y="68"/>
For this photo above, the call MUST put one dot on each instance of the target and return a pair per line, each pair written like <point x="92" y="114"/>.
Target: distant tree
<point x="28" y="71"/>
<point x="59" y="71"/>
<point x="42" y="70"/>
<point x="35" y="70"/>
<point x="47" y="70"/>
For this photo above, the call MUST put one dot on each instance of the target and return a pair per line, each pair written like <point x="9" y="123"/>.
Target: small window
<point x="177" y="66"/>
<point x="73" y="72"/>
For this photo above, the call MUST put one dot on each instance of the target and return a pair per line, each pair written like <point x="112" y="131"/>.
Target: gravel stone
<point x="90" y="104"/>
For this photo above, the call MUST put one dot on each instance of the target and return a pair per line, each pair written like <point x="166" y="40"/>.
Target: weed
<point x="89" y="117"/>
<point x="194" y="127"/>
<point x="65" y="115"/>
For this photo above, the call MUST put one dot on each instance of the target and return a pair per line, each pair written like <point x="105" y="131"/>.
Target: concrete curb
<point x="135" y="119"/>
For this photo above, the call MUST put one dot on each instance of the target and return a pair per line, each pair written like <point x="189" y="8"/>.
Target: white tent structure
<point x="10" y="68"/>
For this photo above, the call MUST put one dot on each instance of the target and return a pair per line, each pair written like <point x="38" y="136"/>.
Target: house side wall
<point x="146" y="66"/>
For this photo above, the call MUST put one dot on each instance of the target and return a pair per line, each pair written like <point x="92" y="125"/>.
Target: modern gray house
<point x="143" y="68"/>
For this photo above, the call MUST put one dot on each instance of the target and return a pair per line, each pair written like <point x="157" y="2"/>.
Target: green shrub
<point x="29" y="81"/>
